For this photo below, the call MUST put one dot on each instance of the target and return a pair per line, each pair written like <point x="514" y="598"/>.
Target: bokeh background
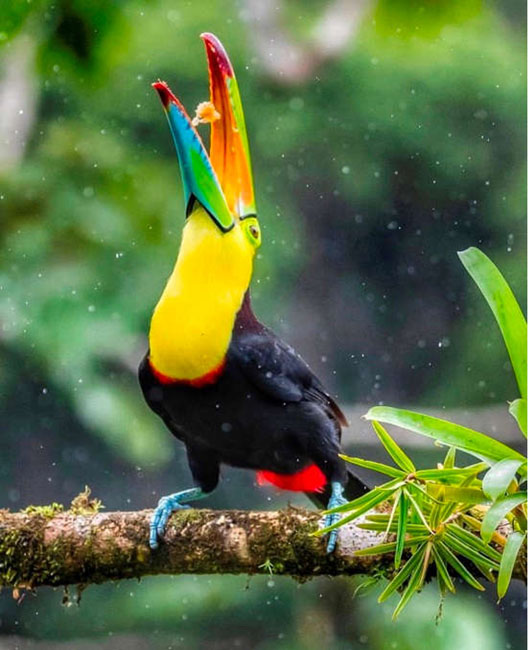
<point x="385" y="135"/>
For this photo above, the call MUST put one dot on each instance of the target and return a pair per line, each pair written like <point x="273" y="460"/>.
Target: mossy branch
<point x="46" y="546"/>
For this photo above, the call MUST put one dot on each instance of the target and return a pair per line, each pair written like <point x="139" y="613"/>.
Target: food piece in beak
<point x="206" y="113"/>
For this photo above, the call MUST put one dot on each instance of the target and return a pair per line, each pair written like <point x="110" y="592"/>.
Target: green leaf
<point x="386" y="489"/>
<point x="378" y="496"/>
<point x="366" y="586"/>
<point x="379" y="526"/>
<point x="395" y="451"/>
<point x="500" y="508"/>
<point x="471" y="539"/>
<point x="449" y="507"/>
<point x="412" y="587"/>
<point x="449" y="460"/>
<point x="471" y="522"/>
<point x="459" y="494"/>
<point x="435" y="513"/>
<point x="475" y="443"/>
<point x="381" y="516"/>
<point x="509" y="555"/>
<point x="376" y="467"/>
<point x="469" y="552"/>
<point x="418" y="511"/>
<point x="518" y="410"/>
<point x="402" y="525"/>
<point x="449" y="557"/>
<point x="498" y="478"/>
<point x="392" y="513"/>
<point x="402" y="575"/>
<point x="504" y="306"/>
<point x="389" y="547"/>
<point x="448" y="474"/>
<point x="428" y="496"/>
<point x="426" y="561"/>
<point x="442" y="571"/>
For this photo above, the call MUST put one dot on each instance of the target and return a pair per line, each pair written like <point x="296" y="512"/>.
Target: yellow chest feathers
<point x="193" y="321"/>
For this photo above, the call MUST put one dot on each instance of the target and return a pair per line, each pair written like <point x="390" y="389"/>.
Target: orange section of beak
<point x="229" y="152"/>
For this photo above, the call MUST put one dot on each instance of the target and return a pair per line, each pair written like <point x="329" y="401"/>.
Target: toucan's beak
<point x="229" y="153"/>
<point x="200" y="182"/>
<point x="221" y="182"/>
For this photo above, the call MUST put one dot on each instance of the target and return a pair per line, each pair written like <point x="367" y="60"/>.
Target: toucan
<point x="222" y="382"/>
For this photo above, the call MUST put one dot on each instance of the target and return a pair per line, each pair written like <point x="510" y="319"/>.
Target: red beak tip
<point x="164" y="92"/>
<point x="217" y="53"/>
<point x="207" y="37"/>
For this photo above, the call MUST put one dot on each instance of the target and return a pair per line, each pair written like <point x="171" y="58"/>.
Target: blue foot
<point x="336" y="499"/>
<point x="166" y="506"/>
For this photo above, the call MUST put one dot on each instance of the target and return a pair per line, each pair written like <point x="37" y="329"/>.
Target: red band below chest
<point x="209" y="378"/>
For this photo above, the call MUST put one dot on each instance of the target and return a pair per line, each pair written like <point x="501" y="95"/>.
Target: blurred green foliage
<point x="230" y="611"/>
<point x="370" y="176"/>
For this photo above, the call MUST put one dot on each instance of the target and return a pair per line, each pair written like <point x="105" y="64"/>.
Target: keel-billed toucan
<point x="222" y="382"/>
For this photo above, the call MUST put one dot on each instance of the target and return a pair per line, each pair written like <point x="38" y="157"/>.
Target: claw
<point x="166" y="506"/>
<point x="336" y="499"/>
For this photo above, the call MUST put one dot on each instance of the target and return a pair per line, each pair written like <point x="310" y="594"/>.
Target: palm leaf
<point x="449" y="557"/>
<point x="500" y="508"/>
<point x="395" y="451"/>
<point x="498" y="478"/>
<point x="376" y="467"/>
<point x="474" y="442"/>
<point x="442" y="571"/>
<point x="458" y="494"/>
<point x="509" y="555"/>
<point x="403" y="574"/>
<point x="377" y="498"/>
<point x="402" y="525"/>
<point x="471" y="539"/>
<point x="470" y="552"/>
<point x="448" y="474"/>
<point x="518" y="410"/>
<point x="412" y="587"/>
<point x="389" y="547"/>
<point x="387" y="489"/>
<point x="504" y="306"/>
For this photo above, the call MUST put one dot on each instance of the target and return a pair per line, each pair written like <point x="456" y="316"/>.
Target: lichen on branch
<point x="48" y="546"/>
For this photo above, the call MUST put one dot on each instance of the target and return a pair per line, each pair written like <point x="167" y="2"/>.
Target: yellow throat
<point x="191" y="327"/>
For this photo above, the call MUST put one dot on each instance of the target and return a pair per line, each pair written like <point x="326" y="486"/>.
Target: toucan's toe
<point x="336" y="499"/>
<point x="330" y="520"/>
<point x="166" y="506"/>
<point x="158" y="522"/>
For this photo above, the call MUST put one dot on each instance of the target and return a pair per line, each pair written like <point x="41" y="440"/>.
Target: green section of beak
<point x="200" y="182"/>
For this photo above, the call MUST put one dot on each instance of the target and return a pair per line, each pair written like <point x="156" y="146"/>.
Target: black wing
<point x="277" y="370"/>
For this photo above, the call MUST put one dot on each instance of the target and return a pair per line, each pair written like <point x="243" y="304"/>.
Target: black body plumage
<point x="266" y="411"/>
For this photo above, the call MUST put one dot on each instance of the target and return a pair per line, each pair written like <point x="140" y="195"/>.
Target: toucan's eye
<point x="251" y="229"/>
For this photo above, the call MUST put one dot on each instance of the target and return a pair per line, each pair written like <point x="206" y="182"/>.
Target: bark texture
<point x="48" y="547"/>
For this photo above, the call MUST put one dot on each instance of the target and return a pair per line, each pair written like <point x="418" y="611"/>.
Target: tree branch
<point x="49" y="548"/>
<point x="66" y="548"/>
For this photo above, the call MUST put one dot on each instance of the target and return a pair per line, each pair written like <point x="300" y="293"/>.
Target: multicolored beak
<point x="229" y="144"/>
<point x="222" y="181"/>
